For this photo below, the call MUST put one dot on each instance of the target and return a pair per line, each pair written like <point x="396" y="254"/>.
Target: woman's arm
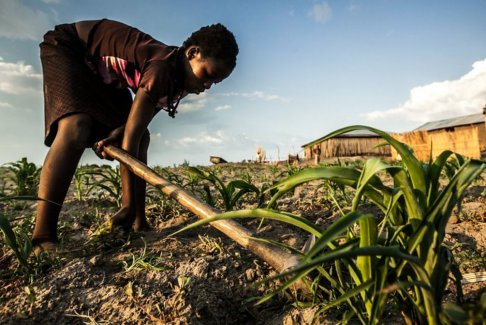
<point x="141" y="114"/>
<point x="130" y="134"/>
<point x="114" y="138"/>
<point x="139" y="118"/>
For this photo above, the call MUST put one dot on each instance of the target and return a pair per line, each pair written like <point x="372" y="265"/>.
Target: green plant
<point x="230" y="193"/>
<point x="273" y="169"/>
<point x="336" y="194"/>
<point x="400" y="258"/>
<point x="18" y="240"/>
<point x="103" y="239"/>
<point x="108" y="180"/>
<point x="25" y="177"/>
<point x="81" y="181"/>
<point x="169" y="175"/>
<point x="144" y="261"/>
<point x="19" y="243"/>
<point x="468" y="313"/>
<point x="211" y="245"/>
<point x="87" y="319"/>
<point x="291" y="169"/>
<point x="265" y="189"/>
<point x="192" y="182"/>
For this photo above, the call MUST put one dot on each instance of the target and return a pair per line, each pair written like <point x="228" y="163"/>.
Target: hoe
<point x="276" y="257"/>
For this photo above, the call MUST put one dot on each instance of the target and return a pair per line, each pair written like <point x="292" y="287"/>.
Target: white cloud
<point x="193" y="103"/>
<point x="5" y="104"/>
<point x="18" y="21"/>
<point x="203" y="138"/>
<point x="222" y="108"/>
<point x="52" y="1"/>
<point x="19" y="78"/>
<point x="320" y="12"/>
<point x="259" y="95"/>
<point x="439" y="100"/>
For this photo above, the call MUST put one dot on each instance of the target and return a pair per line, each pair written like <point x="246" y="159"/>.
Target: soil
<point x="195" y="277"/>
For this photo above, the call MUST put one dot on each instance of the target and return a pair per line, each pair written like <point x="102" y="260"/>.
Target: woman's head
<point x="215" y="41"/>
<point x="210" y="56"/>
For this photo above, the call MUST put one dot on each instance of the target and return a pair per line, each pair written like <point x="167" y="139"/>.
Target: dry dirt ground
<point x="195" y="277"/>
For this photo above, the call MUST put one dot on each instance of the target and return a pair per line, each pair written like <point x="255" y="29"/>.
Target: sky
<point x="305" y="68"/>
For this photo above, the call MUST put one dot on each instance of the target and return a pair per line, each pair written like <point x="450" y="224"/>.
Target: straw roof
<point x="452" y="122"/>
<point x="351" y="134"/>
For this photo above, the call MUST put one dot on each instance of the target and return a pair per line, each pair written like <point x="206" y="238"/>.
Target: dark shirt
<point x="124" y="56"/>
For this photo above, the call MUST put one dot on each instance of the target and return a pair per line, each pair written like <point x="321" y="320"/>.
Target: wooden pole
<point x="279" y="259"/>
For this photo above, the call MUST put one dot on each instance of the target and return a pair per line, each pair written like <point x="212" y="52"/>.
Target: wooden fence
<point x="469" y="141"/>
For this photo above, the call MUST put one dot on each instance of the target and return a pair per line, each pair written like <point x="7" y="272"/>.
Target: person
<point x="90" y="69"/>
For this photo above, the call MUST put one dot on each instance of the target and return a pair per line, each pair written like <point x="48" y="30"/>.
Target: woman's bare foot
<point x="44" y="246"/>
<point x="123" y="219"/>
<point x="141" y="224"/>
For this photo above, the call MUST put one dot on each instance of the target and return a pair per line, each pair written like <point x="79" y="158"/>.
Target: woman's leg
<point x="57" y="172"/>
<point x="141" y="223"/>
<point x="132" y="211"/>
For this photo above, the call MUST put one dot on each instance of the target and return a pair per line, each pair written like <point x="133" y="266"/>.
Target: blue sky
<point x="305" y="68"/>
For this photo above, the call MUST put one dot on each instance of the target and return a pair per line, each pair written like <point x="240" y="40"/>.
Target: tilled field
<point x="196" y="277"/>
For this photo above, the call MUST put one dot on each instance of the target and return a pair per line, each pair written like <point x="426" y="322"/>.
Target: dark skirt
<point x="71" y="86"/>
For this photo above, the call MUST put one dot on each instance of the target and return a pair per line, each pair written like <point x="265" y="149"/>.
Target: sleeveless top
<point x="123" y="56"/>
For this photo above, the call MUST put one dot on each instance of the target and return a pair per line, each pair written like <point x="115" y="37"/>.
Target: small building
<point x="465" y="135"/>
<point x="352" y="144"/>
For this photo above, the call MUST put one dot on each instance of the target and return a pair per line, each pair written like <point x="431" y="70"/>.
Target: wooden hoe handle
<point x="276" y="257"/>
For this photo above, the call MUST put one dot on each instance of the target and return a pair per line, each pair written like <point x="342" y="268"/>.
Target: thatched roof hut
<point x="465" y="135"/>
<point x="351" y="144"/>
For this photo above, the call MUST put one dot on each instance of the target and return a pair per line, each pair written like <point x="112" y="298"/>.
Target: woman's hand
<point x="114" y="138"/>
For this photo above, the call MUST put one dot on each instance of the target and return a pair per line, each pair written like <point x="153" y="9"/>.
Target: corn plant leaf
<point x="366" y="264"/>
<point x="244" y="188"/>
<point x="349" y="294"/>
<point x="413" y="165"/>
<point x="340" y="175"/>
<point x="439" y="213"/>
<point x="440" y="271"/>
<point x="413" y="206"/>
<point x="307" y="266"/>
<point x="379" y="299"/>
<point x="338" y="227"/>
<point x="107" y="188"/>
<point x="295" y="220"/>
<point x="433" y="173"/>
<point x="362" y="271"/>
<point x="371" y="168"/>
<point x="454" y="313"/>
<point x="27" y="248"/>
<point x="204" y="175"/>
<point x="209" y="197"/>
<point x="9" y="235"/>
<point x="291" y="249"/>
<point x="19" y="197"/>
<point x="390" y="251"/>
<point x="392" y="213"/>
<point x="300" y="272"/>
<point x="12" y="241"/>
<point x="432" y="232"/>
<point x="348" y="175"/>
